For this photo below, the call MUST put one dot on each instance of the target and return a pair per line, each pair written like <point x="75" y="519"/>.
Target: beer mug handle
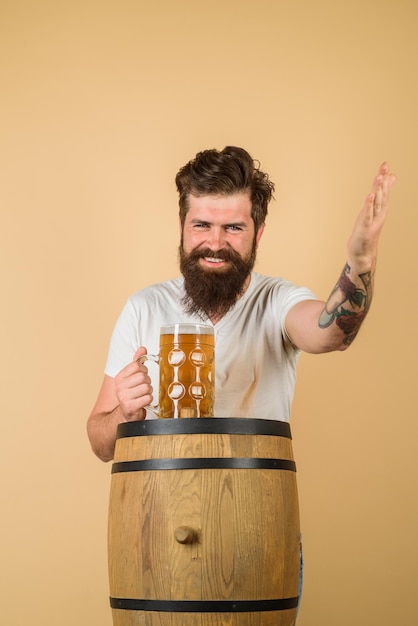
<point x="154" y="408"/>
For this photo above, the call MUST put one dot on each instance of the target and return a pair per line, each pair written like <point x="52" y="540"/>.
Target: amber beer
<point x="187" y="371"/>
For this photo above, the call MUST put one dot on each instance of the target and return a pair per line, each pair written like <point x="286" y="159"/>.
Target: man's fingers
<point x="384" y="168"/>
<point x="378" y="199"/>
<point x="382" y="185"/>
<point x="140" y="352"/>
<point x="137" y="379"/>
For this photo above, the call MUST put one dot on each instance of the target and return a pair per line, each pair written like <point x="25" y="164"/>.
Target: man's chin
<point x="213" y="288"/>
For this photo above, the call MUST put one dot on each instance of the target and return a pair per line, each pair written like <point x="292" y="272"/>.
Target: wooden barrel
<point x="204" y="524"/>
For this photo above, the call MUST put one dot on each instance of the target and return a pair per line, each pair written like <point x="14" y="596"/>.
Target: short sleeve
<point x="124" y="341"/>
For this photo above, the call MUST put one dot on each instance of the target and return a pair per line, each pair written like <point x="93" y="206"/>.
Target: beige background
<point x="101" y="102"/>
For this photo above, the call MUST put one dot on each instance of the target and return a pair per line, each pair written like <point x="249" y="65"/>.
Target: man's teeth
<point x="212" y="259"/>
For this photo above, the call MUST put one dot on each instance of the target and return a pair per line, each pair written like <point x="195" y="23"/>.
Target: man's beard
<point x="212" y="292"/>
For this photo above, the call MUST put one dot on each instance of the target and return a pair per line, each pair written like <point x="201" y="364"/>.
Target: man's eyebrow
<point x="196" y="220"/>
<point x="238" y="224"/>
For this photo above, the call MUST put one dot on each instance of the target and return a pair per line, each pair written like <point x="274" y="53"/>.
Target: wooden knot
<point x="185" y="534"/>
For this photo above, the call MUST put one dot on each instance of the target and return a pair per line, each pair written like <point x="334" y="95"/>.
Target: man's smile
<point x="214" y="261"/>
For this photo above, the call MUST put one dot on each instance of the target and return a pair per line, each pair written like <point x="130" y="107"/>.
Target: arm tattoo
<point x="357" y="300"/>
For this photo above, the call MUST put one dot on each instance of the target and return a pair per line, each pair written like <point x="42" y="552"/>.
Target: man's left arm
<point x="316" y="326"/>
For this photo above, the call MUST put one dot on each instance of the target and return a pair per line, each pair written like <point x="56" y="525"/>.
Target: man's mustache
<point x="224" y="254"/>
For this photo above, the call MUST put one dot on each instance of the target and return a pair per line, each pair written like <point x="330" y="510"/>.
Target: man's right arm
<point x="121" y="399"/>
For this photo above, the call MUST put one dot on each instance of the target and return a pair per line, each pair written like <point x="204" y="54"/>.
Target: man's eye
<point x="234" y="228"/>
<point x="201" y="226"/>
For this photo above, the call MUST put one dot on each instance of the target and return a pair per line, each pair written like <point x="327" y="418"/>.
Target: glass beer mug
<point x="187" y="371"/>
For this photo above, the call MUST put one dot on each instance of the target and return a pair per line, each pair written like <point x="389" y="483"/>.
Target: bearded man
<point x="261" y="323"/>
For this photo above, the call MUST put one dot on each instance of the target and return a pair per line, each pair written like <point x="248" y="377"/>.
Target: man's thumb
<point x="140" y="352"/>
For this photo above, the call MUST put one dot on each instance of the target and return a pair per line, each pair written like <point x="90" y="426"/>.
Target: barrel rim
<point x="196" y="463"/>
<point x="204" y="606"/>
<point x="204" y="425"/>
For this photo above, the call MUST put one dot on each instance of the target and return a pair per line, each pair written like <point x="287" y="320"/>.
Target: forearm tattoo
<point x="348" y="304"/>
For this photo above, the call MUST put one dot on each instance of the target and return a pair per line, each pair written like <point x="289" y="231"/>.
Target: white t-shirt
<point x="255" y="362"/>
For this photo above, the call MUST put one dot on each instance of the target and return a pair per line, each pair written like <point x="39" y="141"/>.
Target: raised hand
<point x="363" y="243"/>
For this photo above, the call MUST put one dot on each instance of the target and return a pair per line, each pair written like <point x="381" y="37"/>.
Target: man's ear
<point x="259" y="234"/>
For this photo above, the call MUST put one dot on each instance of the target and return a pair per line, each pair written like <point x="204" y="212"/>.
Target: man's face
<point x="217" y="252"/>
<point x="219" y="223"/>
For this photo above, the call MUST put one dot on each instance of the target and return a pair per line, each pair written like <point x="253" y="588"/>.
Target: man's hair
<point x="224" y="173"/>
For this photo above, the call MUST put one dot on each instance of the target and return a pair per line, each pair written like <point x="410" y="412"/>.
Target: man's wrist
<point x="361" y="265"/>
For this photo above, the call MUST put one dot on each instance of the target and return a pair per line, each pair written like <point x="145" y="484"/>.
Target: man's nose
<point x="216" y="239"/>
